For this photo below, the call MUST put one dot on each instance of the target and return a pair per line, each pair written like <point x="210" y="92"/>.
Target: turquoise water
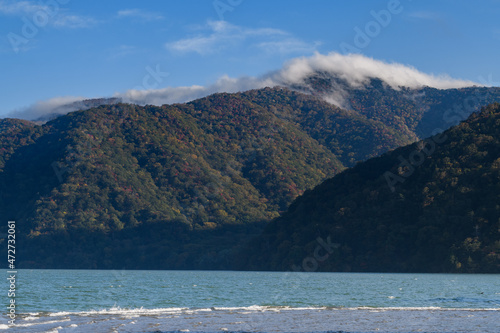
<point x="211" y="301"/>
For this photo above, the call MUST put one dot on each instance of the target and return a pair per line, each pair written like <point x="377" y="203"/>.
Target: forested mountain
<point x="9" y="124"/>
<point x="412" y="112"/>
<point x="91" y="184"/>
<point x="433" y="206"/>
<point x="15" y="133"/>
<point x="184" y="185"/>
<point x="70" y="107"/>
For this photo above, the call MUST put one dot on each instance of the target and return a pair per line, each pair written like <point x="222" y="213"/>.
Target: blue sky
<point x="55" y="48"/>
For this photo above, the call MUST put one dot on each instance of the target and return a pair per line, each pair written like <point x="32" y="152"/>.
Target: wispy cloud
<point x="56" y="105"/>
<point x="122" y="51"/>
<point x="19" y="7"/>
<point x="74" y="21"/>
<point x="56" y="16"/>
<point x="355" y="69"/>
<point x="139" y="14"/>
<point x="425" y="15"/>
<point x="219" y="35"/>
<point x="289" y="45"/>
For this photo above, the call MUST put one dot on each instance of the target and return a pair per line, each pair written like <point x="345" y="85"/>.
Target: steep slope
<point x="413" y="112"/>
<point x="16" y="133"/>
<point x="178" y="186"/>
<point x="343" y="132"/>
<point x="10" y="124"/>
<point x="172" y="181"/>
<point x="432" y="206"/>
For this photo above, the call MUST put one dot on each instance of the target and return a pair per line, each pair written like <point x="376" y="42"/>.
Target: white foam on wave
<point x="55" y="330"/>
<point x="423" y="308"/>
<point x="240" y="308"/>
<point x="120" y="311"/>
<point x="42" y="323"/>
<point x="134" y="313"/>
<point x="287" y="308"/>
<point x="263" y="308"/>
<point x="256" y="318"/>
<point x="61" y="314"/>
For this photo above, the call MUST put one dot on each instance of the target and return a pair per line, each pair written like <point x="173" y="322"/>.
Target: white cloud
<point x="122" y="51"/>
<point x="222" y="34"/>
<point x="356" y="70"/>
<point x="57" y="105"/>
<point x="19" y="7"/>
<point x="52" y="12"/>
<point x="73" y="21"/>
<point x="288" y="46"/>
<point x="201" y="45"/>
<point x="140" y="14"/>
<point x="172" y="95"/>
<point x="425" y="15"/>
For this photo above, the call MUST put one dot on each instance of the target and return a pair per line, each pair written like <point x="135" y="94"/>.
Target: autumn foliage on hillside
<point x="433" y="206"/>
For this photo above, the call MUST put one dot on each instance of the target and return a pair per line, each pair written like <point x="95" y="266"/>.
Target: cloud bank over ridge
<point x="56" y="105"/>
<point x="357" y="69"/>
<point x="354" y="69"/>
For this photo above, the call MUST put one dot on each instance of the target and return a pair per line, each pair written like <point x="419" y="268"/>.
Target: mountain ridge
<point x="193" y="173"/>
<point x="436" y="213"/>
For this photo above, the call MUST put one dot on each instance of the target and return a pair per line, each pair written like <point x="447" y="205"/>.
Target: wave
<point x="261" y="318"/>
<point x="249" y="309"/>
<point x="37" y="323"/>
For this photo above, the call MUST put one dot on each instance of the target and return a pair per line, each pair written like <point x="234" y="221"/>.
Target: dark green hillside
<point x="432" y="206"/>
<point x="15" y="133"/>
<point x="414" y="113"/>
<point x="10" y="124"/>
<point x="153" y="187"/>
<point x="343" y="132"/>
<point x="184" y="185"/>
<point x="114" y="169"/>
<point x="446" y="108"/>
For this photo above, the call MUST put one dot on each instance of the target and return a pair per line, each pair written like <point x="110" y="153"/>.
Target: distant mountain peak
<point x="441" y="215"/>
<point x="340" y="73"/>
<point x="357" y="70"/>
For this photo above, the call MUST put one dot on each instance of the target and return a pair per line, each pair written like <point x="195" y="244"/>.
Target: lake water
<point x="217" y="301"/>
